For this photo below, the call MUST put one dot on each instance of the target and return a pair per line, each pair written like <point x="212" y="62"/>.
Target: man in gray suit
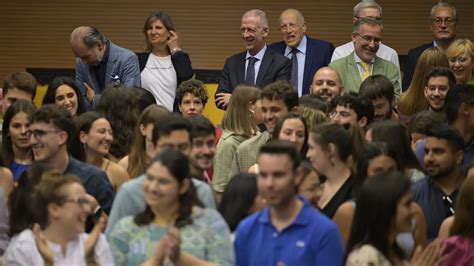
<point x="99" y="62"/>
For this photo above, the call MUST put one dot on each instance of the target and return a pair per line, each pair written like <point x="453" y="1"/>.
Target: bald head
<point x="88" y="44"/>
<point x="326" y="83"/>
<point x="292" y="27"/>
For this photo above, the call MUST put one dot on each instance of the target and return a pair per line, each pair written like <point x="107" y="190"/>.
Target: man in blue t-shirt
<point x="289" y="231"/>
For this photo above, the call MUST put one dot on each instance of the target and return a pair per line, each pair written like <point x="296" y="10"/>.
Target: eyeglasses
<point x="448" y="203"/>
<point x="440" y="21"/>
<point x="289" y="26"/>
<point x="369" y="39"/>
<point x="39" y="133"/>
<point x="80" y="201"/>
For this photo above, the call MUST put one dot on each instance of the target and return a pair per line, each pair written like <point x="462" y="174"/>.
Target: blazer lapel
<point x="111" y="62"/>
<point x="266" y="62"/>
<point x="353" y="70"/>
<point x="241" y="68"/>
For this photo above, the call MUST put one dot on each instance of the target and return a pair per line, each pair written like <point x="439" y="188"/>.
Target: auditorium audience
<point x="384" y="210"/>
<point x="367" y="9"/>
<point x="119" y="106"/>
<point x="165" y="65"/>
<point x="191" y="97"/>
<point x="303" y="235"/>
<point x="143" y="149"/>
<point x="60" y="208"/>
<point x="379" y="157"/>
<point x="238" y="125"/>
<point x="91" y="144"/>
<point x="333" y="150"/>
<point x="174" y="225"/>
<point x="327" y="83"/>
<point x="379" y="90"/>
<point x="16" y="149"/>
<point x="63" y="91"/>
<point x="277" y="99"/>
<point x="412" y="100"/>
<point x="307" y="55"/>
<point x="100" y="63"/>
<point x="444" y="20"/>
<point x="257" y="65"/>
<point x="363" y="62"/>
<point x="438" y="191"/>
<point x="461" y="60"/>
<point x="240" y="199"/>
<point x="169" y="132"/>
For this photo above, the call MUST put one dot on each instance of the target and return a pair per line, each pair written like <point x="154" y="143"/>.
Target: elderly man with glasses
<point x="364" y="62"/>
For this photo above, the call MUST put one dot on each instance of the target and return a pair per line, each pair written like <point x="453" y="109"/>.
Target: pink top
<point x="458" y="251"/>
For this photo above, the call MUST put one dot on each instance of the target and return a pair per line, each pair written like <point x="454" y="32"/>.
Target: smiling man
<point x="364" y="62"/>
<point x="436" y="194"/>
<point x="438" y="82"/>
<point x="289" y="231"/>
<point x="99" y="62"/>
<point x="311" y="54"/>
<point x="257" y="65"/>
<point x="203" y="147"/>
<point x="51" y="130"/>
<point x="327" y="84"/>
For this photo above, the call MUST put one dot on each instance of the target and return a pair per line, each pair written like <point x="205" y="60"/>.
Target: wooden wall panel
<point x="36" y="33"/>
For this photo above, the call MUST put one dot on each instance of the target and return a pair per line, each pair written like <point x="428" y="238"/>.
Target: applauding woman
<point x="61" y="207"/>
<point x="173" y="226"/>
<point x="165" y="65"/>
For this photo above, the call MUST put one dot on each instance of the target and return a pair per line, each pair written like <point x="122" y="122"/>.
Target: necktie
<point x="366" y="67"/>
<point x="294" y="68"/>
<point x="250" y="76"/>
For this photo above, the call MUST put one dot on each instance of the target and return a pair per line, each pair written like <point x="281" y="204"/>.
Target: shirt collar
<point x="301" y="47"/>
<point x="259" y="55"/>
<point x="302" y="218"/>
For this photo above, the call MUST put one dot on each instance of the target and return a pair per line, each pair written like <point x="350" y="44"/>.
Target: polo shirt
<point x="430" y="197"/>
<point x="312" y="239"/>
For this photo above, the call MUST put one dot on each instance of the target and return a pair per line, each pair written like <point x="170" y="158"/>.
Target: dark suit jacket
<point x="274" y="67"/>
<point x="410" y="63"/>
<point x="318" y="54"/>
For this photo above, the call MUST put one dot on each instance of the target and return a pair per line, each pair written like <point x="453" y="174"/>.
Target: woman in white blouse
<point x="61" y="207"/>
<point x="165" y="65"/>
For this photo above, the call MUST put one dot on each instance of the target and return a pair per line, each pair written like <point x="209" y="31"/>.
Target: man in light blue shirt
<point x="289" y="231"/>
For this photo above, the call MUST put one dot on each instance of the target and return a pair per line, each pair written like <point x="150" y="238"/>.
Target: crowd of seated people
<point x="324" y="156"/>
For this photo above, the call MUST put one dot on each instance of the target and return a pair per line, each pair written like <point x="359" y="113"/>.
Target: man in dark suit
<point x="311" y="54"/>
<point x="257" y="65"/>
<point x="443" y="25"/>
<point x="99" y="62"/>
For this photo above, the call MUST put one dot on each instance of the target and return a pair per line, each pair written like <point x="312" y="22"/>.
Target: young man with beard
<point x="350" y="108"/>
<point x="289" y="231"/>
<point x="438" y="82"/>
<point x="278" y="99"/>
<point x="326" y="84"/>
<point x="379" y="90"/>
<point x="203" y="147"/>
<point x="169" y="132"/>
<point x="437" y="192"/>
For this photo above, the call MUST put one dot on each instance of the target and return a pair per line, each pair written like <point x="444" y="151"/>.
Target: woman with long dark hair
<point x="16" y="150"/>
<point x="173" y="220"/>
<point x="63" y="91"/>
<point x="384" y="210"/>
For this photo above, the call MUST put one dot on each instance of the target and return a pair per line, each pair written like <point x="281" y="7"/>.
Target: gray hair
<point x="369" y="21"/>
<point x="443" y="4"/>
<point x="260" y="14"/>
<point x="365" y="4"/>
<point x="89" y="36"/>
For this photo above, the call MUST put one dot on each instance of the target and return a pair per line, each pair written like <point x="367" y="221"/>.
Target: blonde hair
<point x="312" y="116"/>
<point x="413" y="100"/>
<point x="237" y="116"/>
<point x="461" y="47"/>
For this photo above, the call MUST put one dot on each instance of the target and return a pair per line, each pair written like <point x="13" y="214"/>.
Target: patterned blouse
<point x="207" y="238"/>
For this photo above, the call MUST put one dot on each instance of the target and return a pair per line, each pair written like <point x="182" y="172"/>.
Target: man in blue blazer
<point x="443" y="25"/>
<point x="265" y="65"/>
<point x="312" y="54"/>
<point x="99" y="63"/>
